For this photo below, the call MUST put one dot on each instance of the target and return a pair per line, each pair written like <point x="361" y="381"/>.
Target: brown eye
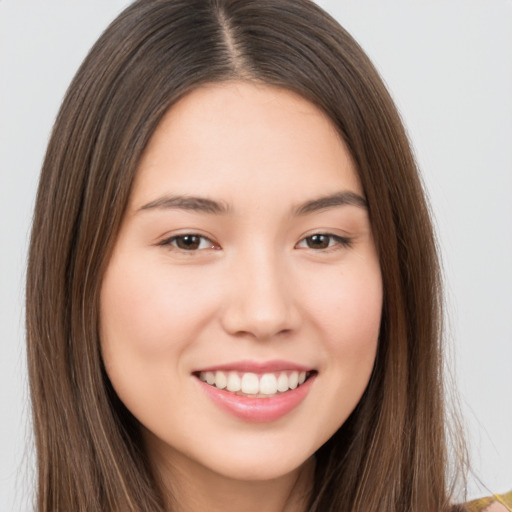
<point x="318" y="241"/>
<point x="189" y="242"/>
<point x="323" y="241"/>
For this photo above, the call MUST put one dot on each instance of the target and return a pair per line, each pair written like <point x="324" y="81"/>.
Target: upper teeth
<point x="252" y="383"/>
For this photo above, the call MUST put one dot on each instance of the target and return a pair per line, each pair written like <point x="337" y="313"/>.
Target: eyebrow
<point x="192" y="203"/>
<point x="331" y="201"/>
<point x="205" y="205"/>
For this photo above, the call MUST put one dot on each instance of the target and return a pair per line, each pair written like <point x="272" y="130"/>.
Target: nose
<point x="260" y="301"/>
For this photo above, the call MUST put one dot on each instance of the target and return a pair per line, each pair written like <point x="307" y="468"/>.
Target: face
<point x="240" y="309"/>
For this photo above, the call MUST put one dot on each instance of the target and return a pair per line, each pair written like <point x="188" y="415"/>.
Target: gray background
<point x="449" y="67"/>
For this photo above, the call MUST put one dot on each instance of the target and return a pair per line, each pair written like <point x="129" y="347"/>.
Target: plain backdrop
<point x="448" y="64"/>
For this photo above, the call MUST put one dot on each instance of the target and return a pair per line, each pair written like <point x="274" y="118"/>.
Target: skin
<point x="255" y="288"/>
<point x="496" y="507"/>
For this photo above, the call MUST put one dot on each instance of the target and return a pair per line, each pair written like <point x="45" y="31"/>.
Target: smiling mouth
<point x="255" y="385"/>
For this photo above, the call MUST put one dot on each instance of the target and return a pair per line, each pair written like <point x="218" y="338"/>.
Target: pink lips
<point x="258" y="410"/>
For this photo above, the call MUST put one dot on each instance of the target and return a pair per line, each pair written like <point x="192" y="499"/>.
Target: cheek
<point x="359" y="312"/>
<point x="149" y="319"/>
<point x="347" y="306"/>
<point x="149" y="310"/>
<point x="351" y="345"/>
<point x="347" y="313"/>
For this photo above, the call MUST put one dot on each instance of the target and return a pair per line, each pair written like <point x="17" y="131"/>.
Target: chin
<point x="256" y="467"/>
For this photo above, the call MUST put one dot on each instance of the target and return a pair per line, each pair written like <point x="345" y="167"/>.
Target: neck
<point x="190" y="487"/>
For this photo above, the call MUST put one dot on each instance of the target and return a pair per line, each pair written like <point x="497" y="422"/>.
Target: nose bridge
<point x="260" y="301"/>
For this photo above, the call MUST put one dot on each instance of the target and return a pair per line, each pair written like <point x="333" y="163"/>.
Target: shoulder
<point x="496" y="507"/>
<point x="496" y="503"/>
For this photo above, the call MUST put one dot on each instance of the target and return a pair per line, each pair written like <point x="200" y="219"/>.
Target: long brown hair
<point x="391" y="453"/>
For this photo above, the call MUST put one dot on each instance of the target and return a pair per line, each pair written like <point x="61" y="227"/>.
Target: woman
<point x="229" y="194"/>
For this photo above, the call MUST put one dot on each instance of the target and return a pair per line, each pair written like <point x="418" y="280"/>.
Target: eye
<point x="189" y="242"/>
<point x="322" y="241"/>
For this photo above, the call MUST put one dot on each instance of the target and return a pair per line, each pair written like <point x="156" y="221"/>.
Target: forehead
<point x="243" y="138"/>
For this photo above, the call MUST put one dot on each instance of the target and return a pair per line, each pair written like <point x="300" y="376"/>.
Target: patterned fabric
<point x="481" y="504"/>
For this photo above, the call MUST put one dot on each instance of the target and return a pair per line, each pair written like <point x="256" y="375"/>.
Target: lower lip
<point x="258" y="410"/>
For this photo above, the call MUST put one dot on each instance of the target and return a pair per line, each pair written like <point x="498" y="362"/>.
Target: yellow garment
<point x="481" y="504"/>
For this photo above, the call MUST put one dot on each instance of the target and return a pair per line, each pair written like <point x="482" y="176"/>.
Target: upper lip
<point x="256" y="367"/>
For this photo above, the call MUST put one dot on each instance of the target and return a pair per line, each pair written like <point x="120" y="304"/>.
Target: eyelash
<point x="334" y="242"/>
<point x="173" y="241"/>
